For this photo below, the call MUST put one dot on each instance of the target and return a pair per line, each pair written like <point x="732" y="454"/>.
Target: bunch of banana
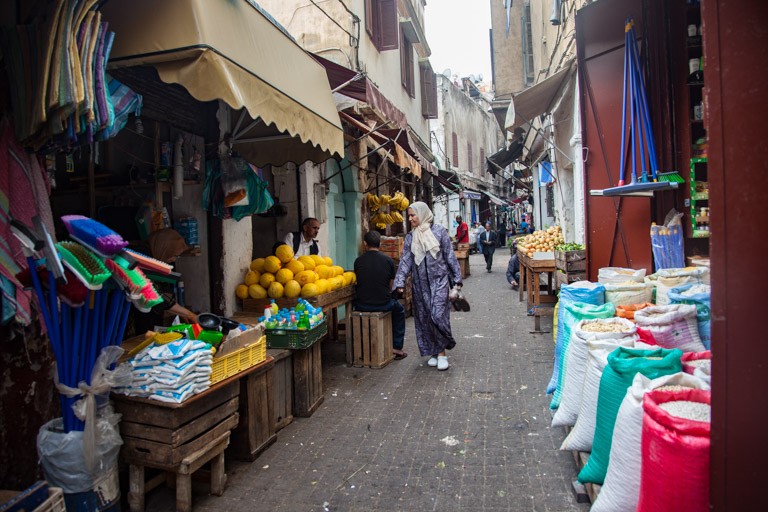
<point x="386" y="218"/>
<point x="385" y="198"/>
<point x="396" y="216"/>
<point x="374" y="202"/>
<point x="398" y="201"/>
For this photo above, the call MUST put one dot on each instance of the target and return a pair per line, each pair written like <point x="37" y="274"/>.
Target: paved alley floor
<point x="410" y="438"/>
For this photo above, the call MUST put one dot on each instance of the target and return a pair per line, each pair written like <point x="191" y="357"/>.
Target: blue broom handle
<point x="622" y="155"/>
<point x="646" y="112"/>
<point x="643" y="122"/>
<point x="632" y="129"/>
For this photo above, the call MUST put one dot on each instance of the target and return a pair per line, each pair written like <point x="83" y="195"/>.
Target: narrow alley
<point x="410" y="438"/>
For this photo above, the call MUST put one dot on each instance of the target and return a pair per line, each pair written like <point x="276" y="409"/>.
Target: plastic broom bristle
<point x="131" y="279"/>
<point x="86" y="265"/>
<point x="94" y="235"/>
<point x="150" y="263"/>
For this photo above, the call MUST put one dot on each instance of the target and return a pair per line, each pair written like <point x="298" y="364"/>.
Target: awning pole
<point x="513" y="177"/>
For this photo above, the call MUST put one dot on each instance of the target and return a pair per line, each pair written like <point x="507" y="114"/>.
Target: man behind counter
<point x="304" y="243"/>
<point x="375" y="271"/>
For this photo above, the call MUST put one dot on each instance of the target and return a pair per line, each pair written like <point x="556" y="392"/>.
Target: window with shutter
<point x="370" y="20"/>
<point x="381" y="24"/>
<point x="470" y="162"/>
<point x="406" y="65"/>
<point x="455" y="149"/>
<point x="428" y="90"/>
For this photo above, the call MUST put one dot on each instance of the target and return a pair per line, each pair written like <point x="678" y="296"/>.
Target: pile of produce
<point x="395" y="204"/>
<point x="541" y="241"/>
<point x="280" y="275"/>
<point x="569" y="247"/>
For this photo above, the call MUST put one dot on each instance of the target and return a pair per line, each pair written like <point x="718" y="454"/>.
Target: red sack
<point x="694" y="356"/>
<point x="675" y="456"/>
<point x="646" y="336"/>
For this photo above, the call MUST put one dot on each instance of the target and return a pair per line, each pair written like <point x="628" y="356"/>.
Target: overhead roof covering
<point x="537" y="99"/>
<point x="494" y="199"/>
<point x="503" y="157"/>
<point x="231" y="51"/>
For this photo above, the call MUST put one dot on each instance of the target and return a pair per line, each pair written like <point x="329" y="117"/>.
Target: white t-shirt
<point x="304" y="246"/>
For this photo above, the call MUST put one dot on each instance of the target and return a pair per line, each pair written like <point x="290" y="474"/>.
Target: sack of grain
<point x="576" y="364"/>
<point x="574" y="312"/>
<point x="669" y="278"/>
<point x="580" y="291"/>
<point x="628" y="310"/>
<point x="628" y="292"/>
<point x="675" y="451"/>
<point x="621" y="488"/>
<point x="580" y="437"/>
<point x="623" y="365"/>
<point x="697" y="360"/>
<point x="700" y="296"/>
<point x="672" y="326"/>
<point x="616" y="275"/>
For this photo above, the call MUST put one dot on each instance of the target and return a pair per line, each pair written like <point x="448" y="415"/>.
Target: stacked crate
<point x="392" y="246"/>
<point x="571" y="266"/>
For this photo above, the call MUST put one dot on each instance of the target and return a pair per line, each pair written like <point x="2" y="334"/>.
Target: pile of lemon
<point x="282" y="276"/>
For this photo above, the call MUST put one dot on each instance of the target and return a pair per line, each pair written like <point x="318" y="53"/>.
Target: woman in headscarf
<point x="428" y="256"/>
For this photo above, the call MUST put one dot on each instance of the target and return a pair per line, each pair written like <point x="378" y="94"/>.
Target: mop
<point x="637" y="131"/>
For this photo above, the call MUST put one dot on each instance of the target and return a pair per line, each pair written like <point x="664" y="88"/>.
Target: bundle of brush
<point x="457" y="299"/>
<point x="86" y="301"/>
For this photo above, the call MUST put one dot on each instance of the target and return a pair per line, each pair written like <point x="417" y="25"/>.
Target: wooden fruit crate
<point x="371" y="339"/>
<point x="256" y="430"/>
<point x="571" y="261"/>
<point x="282" y="390"/>
<point x="570" y="277"/>
<point x="307" y="380"/>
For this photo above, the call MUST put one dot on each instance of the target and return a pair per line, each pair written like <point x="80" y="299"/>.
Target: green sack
<point x="623" y="364"/>
<point x="573" y="313"/>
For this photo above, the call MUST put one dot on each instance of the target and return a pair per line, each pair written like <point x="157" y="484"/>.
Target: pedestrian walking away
<point x="374" y="271"/>
<point x="429" y="258"/>
<point x="488" y="243"/>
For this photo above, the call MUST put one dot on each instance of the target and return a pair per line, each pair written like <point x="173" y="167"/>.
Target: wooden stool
<point x="371" y="339"/>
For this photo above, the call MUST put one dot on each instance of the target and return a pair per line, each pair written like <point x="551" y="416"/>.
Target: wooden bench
<point x="371" y="339"/>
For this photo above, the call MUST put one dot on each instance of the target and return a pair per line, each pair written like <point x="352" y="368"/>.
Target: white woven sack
<point x="619" y="275"/>
<point x="669" y="278"/>
<point x="704" y="373"/>
<point x="573" y="382"/>
<point x="580" y="438"/>
<point x="621" y="490"/>
<point x="672" y="326"/>
<point x="628" y="293"/>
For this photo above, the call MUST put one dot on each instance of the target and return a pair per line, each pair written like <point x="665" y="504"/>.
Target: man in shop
<point x="462" y="231"/>
<point x="304" y="243"/>
<point x="375" y="271"/>
<point x="487" y="241"/>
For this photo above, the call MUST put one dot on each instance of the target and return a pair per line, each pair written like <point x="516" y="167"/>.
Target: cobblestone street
<point x="410" y="438"/>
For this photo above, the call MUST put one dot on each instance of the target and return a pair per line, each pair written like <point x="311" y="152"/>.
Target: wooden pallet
<point x="582" y="491"/>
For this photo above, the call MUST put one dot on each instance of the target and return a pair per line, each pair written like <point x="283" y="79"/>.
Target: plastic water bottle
<point x="267" y="312"/>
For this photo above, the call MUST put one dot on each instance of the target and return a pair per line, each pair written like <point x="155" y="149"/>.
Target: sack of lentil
<point x="621" y="488"/>
<point x="628" y="292"/>
<point x="619" y="275"/>
<point x="623" y="364"/>
<point x="584" y="292"/>
<point x="669" y="278"/>
<point x="628" y="310"/>
<point x="675" y="451"/>
<point x="672" y="326"/>
<point x="624" y="335"/>
<point x="574" y="313"/>
<point x="700" y="296"/>
<point x="580" y="437"/>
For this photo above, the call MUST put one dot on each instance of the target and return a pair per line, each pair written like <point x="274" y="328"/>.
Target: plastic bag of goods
<point x="669" y="278"/>
<point x="617" y="331"/>
<point x="672" y="326"/>
<point x="700" y="296"/>
<point x="628" y="292"/>
<point x="623" y="365"/>
<point x="616" y="275"/>
<point x="580" y="437"/>
<point x="675" y="448"/>
<point x="628" y="310"/>
<point x="621" y="488"/>
<point x="581" y="291"/>
<point x="574" y="312"/>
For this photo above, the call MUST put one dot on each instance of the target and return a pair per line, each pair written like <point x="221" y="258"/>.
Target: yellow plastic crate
<point x="239" y="360"/>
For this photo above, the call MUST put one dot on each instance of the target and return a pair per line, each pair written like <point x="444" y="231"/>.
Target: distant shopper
<point x="375" y="270"/>
<point x="513" y="271"/>
<point x="429" y="258"/>
<point x="479" y="230"/>
<point x="462" y="231"/>
<point x="304" y="243"/>
<point x="523" y="226"/>
<point x="488" y="244"/>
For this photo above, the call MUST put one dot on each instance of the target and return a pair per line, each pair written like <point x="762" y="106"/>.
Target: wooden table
<point x="329" y="302"/>
<point x="530" y="282"/>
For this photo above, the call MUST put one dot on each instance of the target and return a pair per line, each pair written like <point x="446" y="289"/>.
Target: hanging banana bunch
<point x="396" y="203"/>
<point x="374" y="202"/>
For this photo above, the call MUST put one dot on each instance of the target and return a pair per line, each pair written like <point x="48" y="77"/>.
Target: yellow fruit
<point x="338" y="282"/>
<point x="241" y="291"/>
<point x="337" y="270"/>
<point x="256" y="291"/>
<point x="266" y="279"/>
<point x="307" y="276"/>
<point x="251" y="277"/>
<point x="258" y="265"/>
<point x="284" y="253"/>
<point x="272" y="264"/>
<point x="283" y="276"/>
<point x="309" y="263"/>
<point x="324" y="271"/>
<point x="349" y="278"/>
<point x="275" y="290"/>
<point x="322" y="285"/>
<point x="328" y="261"/>
<point x="309" y="290"/>
<point x="295" y="266"/>
<point x="292" y="289"/>
<point x="317" y="259"/>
